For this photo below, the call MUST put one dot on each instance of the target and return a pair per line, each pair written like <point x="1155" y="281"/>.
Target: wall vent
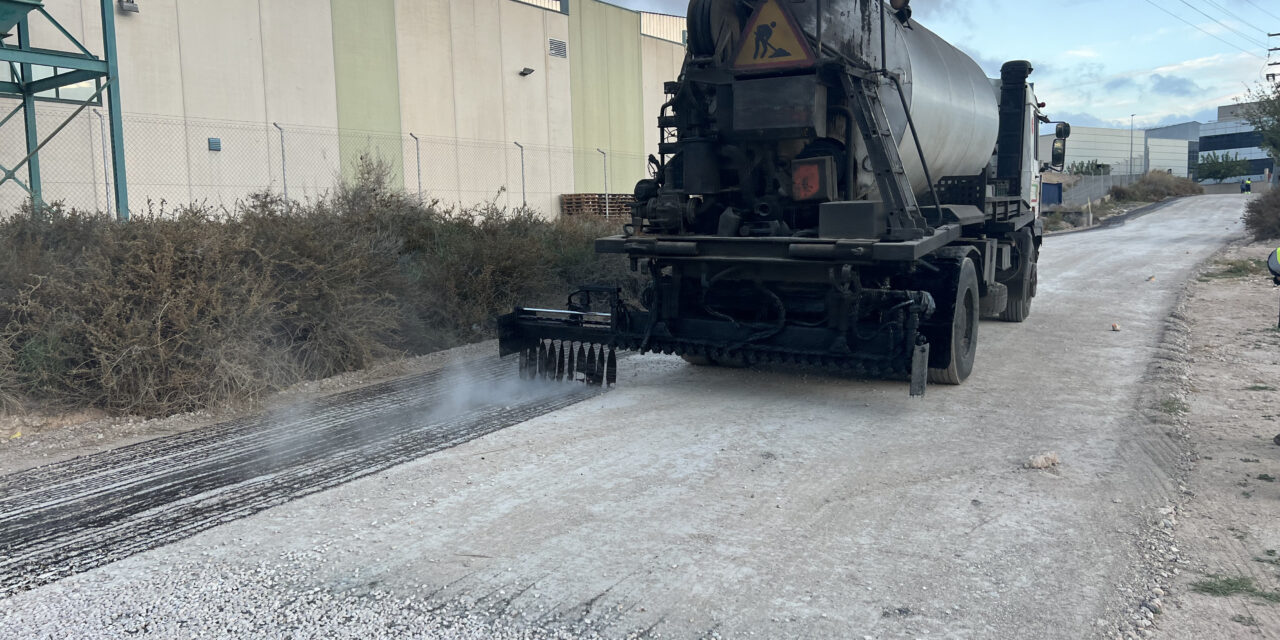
<point x="559" y="48"/>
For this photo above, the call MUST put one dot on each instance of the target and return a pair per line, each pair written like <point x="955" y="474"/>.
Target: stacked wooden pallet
<point x="596" y="204"/>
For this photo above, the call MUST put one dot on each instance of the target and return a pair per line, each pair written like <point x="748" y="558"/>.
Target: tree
<point x="1262" y="110"/>
<point x="1219" y="168"/>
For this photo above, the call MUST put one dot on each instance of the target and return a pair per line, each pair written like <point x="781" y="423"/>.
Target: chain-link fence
<point x="1093" y="188"/>
<point x="175" y="161"/>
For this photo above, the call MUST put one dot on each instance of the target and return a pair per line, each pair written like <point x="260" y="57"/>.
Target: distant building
<point x="1233" y="136"/>
<point x="1188" y="132"/>
<point x="1126" y="152"/>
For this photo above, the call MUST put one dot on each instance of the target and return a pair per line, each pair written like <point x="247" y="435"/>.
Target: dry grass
<point x="1262" y="216"/>
<point x="176" y="311"/>
<point x="1156" y="186"/>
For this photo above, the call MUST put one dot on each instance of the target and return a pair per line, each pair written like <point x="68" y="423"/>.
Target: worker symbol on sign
<point x="771" y="40"/>
<point x="764" y="49"/>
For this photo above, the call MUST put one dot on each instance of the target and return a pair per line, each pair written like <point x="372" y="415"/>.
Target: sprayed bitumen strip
<point x="63" y="519"/>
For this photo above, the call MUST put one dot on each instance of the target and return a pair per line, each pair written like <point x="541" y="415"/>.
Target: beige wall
<point x="489" y="106"/>
<point x="198" y="69"/>
<point x="192" y="70"/>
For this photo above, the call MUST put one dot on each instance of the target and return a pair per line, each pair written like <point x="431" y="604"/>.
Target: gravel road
<point x="702" y="502"/>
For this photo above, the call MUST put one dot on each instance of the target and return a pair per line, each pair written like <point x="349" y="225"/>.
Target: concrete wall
<point x="608" y="103"/>
<point x="1107" y="146"/>
<point x="487" y="99"/>
<point x="1234" y="188"/>
<point x="367" y="79"/>
<point x="343" y="77"/>
<point x="1168" y="155"/>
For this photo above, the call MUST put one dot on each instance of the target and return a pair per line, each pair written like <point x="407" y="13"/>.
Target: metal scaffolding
<point x="64" y="68"/>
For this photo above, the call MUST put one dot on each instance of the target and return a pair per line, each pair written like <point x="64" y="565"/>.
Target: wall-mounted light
<point x="525" y="72"/>
<point x="128" y="6"/>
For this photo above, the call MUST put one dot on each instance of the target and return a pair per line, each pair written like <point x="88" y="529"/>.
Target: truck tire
<point x="1022" y="286"/>
<point x="963" y="342"/>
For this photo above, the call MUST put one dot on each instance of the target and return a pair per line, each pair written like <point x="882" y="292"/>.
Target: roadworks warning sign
<point x="772" y="40"/>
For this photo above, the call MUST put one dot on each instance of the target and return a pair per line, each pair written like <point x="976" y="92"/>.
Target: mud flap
<point x="919" y="370"/>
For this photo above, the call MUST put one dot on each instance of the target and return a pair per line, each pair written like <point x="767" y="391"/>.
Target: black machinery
<point x="836" y="186"/>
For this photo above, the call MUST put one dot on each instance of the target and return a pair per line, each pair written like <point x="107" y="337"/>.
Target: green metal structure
<point x="67" y="68"/>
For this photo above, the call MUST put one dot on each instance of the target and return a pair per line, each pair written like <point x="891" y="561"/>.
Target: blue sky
<point x="1097" y="61"/>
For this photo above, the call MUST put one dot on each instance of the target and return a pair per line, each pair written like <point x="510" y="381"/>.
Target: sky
<point x="1098" y="61"/>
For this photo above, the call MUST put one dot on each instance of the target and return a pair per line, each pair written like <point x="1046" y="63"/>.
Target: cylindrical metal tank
<point x="952" y="102"/>
<point x="953" y="105"/>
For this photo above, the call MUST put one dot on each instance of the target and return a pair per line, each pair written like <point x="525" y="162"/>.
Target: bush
<point x="180" y="310"/>
<point x="1156" y="186"/>
<point x="1262" y="216"/>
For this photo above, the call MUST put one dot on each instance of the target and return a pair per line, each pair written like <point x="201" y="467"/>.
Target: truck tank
<point x="951" y="99"/>
<point x="791" y="216"/>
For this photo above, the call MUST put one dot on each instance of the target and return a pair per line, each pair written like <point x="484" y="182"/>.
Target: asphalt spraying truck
<point x="836" y="186"/>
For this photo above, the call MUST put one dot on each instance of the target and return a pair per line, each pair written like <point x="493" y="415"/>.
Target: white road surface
<point x="703" y="502"/>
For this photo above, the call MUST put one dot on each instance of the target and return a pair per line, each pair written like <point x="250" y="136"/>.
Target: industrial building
<point x="467" y="101"/>
<point x="1233" y="136"/>
<point x="1177" y="148"/>
<point x="1188" y="132"/>
<point x="1125" y="151"/>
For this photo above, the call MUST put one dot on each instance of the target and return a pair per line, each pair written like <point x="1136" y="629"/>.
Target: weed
<point x="1262" y="216"/>
<point x="1238" y="269"/>
<point x="1266" y="477"/>
<point x="1247" y="621"/>
<point x="1173" y="406"/>
<point x="1223" y="586"/>
<point x="183" y="309"/>
<point x="1156" y="186"/>
<point x="1259" y="387"/>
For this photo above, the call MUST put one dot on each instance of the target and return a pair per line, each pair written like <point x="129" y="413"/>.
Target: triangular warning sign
<point x="772" y="41"/>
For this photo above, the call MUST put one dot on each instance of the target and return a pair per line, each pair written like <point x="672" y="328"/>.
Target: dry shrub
<point x="1262" y="216"/>
<point x="1156" y="186"/>
<point x="179" y="311"/>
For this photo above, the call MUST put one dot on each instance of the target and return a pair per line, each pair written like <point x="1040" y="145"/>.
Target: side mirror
<point x="1064" y="130"/>
<point x="1059" y="154"/>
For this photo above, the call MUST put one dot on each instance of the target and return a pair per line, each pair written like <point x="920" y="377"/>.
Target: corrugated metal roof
<point x="553" y="5"/>
<point x="661" y="25"/>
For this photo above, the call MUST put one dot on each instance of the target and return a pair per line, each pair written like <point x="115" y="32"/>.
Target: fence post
<point x="284" y="165"/>
<point x="417" y="150"/>
<point x="524" y="191"/>
<point x="106" y="175"/>
<point x="606" y="181"/>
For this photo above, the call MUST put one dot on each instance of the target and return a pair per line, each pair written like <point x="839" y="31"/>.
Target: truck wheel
<point x="964" y="329"/>
<point x="1022" y="287"/>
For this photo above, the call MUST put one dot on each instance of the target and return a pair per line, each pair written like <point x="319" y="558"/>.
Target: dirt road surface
<point x="704" y="502"/>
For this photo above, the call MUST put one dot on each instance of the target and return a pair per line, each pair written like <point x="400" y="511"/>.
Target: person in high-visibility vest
<point x="1247" y="187"/>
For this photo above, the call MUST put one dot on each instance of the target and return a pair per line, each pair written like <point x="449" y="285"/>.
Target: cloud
<point x="1089" y="120"/>
<point x="937" y="8"/>
<point x="1119" y="84"/>
<point x="1082" y="53"/>
<point x="1174" y="86"/>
